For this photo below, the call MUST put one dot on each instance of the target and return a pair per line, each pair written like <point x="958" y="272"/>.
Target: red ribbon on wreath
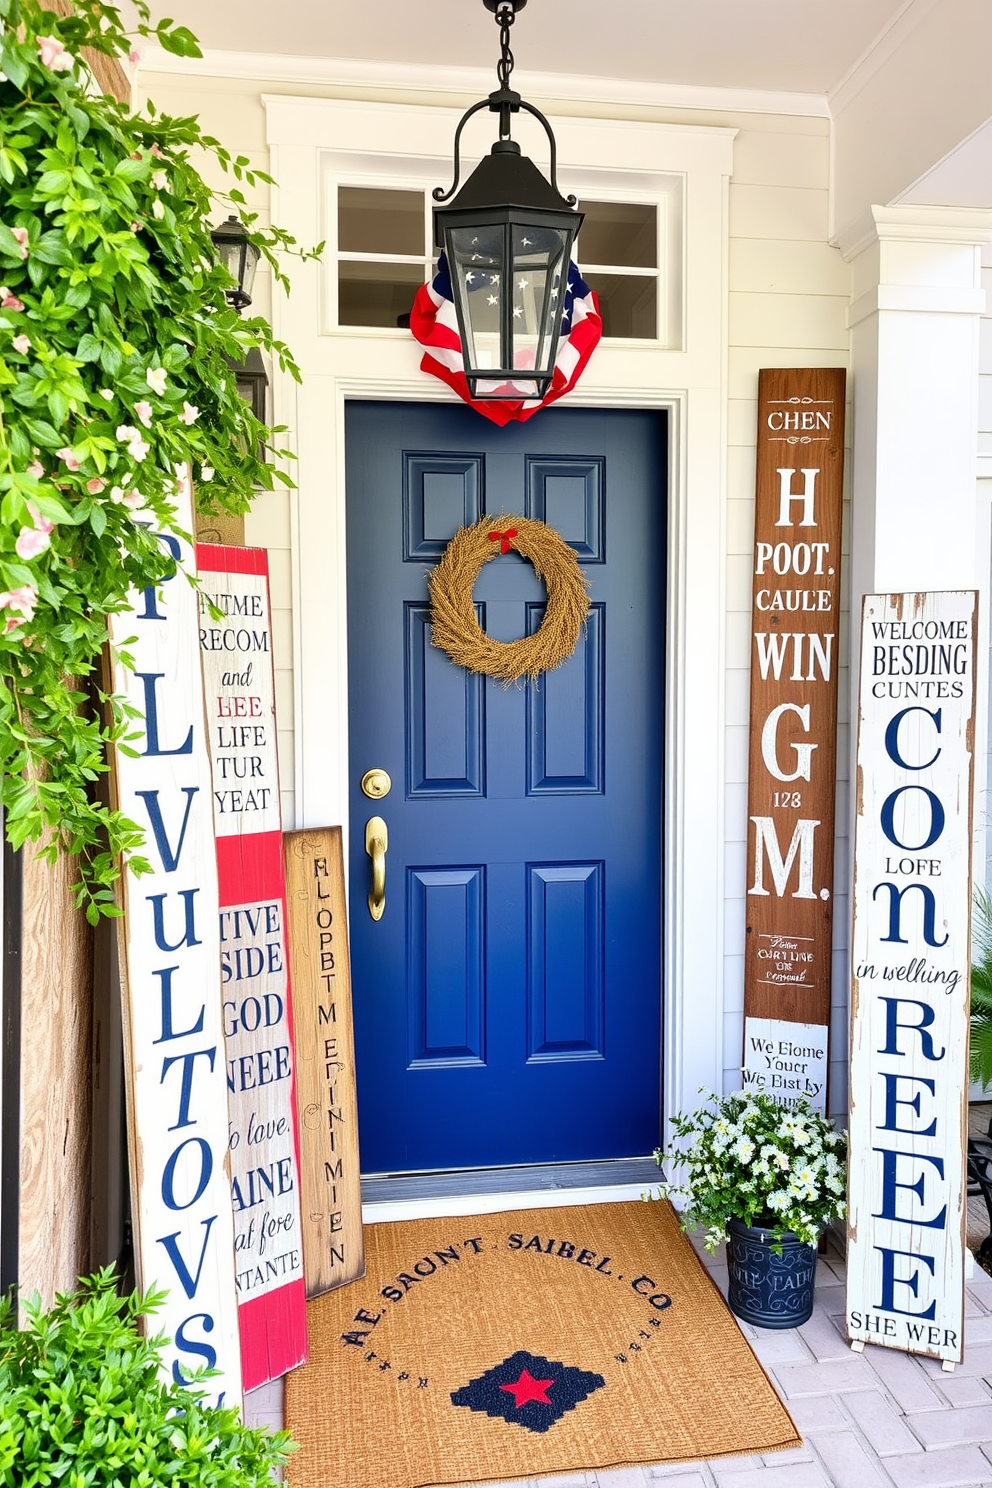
<point x="503" y="538"/>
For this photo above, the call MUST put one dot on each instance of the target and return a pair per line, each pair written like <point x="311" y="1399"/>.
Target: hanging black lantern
<point x="239" y="256"/>
<point x="507" y="239"/>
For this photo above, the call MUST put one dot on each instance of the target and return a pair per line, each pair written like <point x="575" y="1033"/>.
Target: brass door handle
<point x="376" y="844"/>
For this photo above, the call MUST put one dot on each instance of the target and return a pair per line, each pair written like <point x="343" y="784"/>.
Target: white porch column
<point x="916" y="301"/>
<point x="914" y="320"/>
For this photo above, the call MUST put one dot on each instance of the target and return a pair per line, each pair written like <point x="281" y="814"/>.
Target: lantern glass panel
<point x="540" y="266"/>
<point x="475" y="262"/>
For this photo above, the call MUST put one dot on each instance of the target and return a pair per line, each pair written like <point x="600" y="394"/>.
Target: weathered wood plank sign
<point x="170" y="965"/>
<point x="793" y="739"/>
<point x="333" y="1246"/>
<point x="910" y="954"/>
<point x="239" y="685"/>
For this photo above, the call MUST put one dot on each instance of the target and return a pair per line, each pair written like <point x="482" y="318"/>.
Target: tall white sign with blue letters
<point x="910" y="973"/>
<point x="170" y="956"/>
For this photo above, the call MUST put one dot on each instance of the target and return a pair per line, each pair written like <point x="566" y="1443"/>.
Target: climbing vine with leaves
<point x="115" y="386"/>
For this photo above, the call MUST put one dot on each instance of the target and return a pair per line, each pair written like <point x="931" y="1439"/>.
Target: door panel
<point x="507" y="1004"/>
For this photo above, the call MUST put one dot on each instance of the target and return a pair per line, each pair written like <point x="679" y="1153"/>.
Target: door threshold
<point x="389" y="1197"/>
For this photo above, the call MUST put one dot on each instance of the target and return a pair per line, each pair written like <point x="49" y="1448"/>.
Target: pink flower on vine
<point x="54" y="55"/>
<point x="144" y="413"/>
<point x="8" y="300"/>
<point x="71" y="463"/>
<point x="36" y="469"/>
<point x="23" y="600"/>
<point x="134" y="56"/>
<point x="20" y="234"/>
<point x="31" y="543"/>
<point x="156" y="152"/>
<point x="41" y="524"/>
<point x="95" y="486"/>
<point x="22" y="344"/>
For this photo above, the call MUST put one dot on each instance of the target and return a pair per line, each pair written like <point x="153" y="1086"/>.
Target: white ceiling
<point x="801" y="46"/>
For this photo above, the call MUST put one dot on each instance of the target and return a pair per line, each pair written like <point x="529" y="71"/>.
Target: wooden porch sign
<point x="793" y="740"/>
<point x="239" y="685"/>
<point x="333" y="1247"/>
<point x="910" y="954"/>
<point x="170" y="966"/>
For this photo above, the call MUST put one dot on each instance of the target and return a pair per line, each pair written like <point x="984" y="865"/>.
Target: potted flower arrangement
<point x="766" y="1180"/>
<point x="84" y="1401"/>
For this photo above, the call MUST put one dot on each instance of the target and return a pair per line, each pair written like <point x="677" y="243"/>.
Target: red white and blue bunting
<point x="434" y="323"/>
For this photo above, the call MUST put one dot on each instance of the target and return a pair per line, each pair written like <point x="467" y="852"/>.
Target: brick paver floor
<point x="880" y="1419"/>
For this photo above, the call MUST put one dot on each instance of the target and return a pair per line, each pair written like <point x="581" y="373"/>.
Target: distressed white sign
<point x="170" y="955"/>
<point x="786" y="1060"/>
<point x="239" y="686"/>
<point x="910" y="953"/>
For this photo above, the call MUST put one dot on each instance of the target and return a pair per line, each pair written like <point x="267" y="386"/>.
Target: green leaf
<point x="52" y="248"/>
<point x="131" y="170"/>
<point x="89" y="348"/>
<point x="178" y="40"/>
<point x="42" y="433"/>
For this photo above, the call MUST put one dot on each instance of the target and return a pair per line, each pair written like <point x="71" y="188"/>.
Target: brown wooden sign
<point x="331" y="1199"/>
<point x="793" y="738"/>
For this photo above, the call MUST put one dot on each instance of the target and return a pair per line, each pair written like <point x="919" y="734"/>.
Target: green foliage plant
<point x="84" y="1404"/>
<point x="115" y="388"/>
<point x="981" y="991"/>
<point x="744" y="1157"/>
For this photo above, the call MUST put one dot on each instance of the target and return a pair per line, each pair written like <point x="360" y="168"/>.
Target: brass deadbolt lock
<point x="376" y="784"/>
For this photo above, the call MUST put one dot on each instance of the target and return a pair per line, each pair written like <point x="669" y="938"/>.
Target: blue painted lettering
<point x="188" y="936"/>
<point x="170" y="859"/>
<point x="893" y="1025"/>
<point x="168" y="1032"/>
<point x="148" y="681"/>
<point x="890" y="1281"/>
<point x="891" y="1186"/>
<point x="170" y="1243"/>
<point x="169" y="1198"/>
<point x="892" y="747"/>
<point x="893" y="1099"/>
<point x="186" y="1089"/>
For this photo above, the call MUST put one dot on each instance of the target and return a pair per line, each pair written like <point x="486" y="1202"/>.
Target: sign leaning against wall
<point x="239" y="687"/>
<point x="910" y="974"/>
<point x="793" y="732"/>
<point x="170" y="964"/>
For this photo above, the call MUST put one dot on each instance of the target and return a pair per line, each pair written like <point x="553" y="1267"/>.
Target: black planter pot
<point x="769" y="1290"/>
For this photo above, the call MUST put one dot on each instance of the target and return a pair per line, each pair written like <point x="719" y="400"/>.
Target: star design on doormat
<point x="528" y="1390"/>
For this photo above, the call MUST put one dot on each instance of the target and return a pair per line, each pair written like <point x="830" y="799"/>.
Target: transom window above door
<point x="628" y="251"/>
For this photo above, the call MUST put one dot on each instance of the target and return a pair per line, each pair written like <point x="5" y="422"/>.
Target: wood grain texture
<point x="793" y="724"/>
<point x="910" y="951"/>
<point x="107" y="70"/>
<point x="333" y="1244"/>
<point x="56" y="1030"/>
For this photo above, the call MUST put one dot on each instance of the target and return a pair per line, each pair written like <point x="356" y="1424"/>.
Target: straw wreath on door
<point x="454" y="626"/>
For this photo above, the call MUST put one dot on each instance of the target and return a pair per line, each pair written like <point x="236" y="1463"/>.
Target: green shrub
<point x="981" y="991"/>
<point x="84" y="1404"/>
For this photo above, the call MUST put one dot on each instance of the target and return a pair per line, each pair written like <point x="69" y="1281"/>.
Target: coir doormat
<point x="517" y="1345"/>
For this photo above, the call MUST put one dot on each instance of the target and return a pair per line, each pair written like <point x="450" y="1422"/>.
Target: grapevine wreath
<point x="454" y="627"/>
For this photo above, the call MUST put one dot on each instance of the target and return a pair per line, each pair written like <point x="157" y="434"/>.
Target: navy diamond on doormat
<point x="528" y="1390"/>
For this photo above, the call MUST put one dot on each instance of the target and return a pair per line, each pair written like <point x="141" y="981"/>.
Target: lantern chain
<point x="505" y="16"/>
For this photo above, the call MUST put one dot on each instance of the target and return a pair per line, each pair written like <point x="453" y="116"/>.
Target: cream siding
<point x="789" y="291"/>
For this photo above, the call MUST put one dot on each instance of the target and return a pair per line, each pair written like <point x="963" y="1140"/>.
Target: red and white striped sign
<point x="239" y="687"/>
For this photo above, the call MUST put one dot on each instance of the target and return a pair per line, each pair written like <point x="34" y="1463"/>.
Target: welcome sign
<point x="239" y="685"/>
<point x="170" y="960"/>
<point x="795" y="619"/>
<point x="910" y="984"/>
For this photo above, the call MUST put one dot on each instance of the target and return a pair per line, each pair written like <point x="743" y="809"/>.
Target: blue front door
<point x="507" y="1003"/>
